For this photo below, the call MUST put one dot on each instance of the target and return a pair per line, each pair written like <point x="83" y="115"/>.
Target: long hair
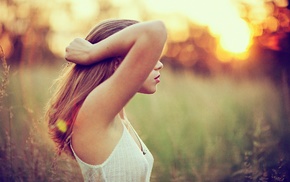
<point x="74" y="85"/>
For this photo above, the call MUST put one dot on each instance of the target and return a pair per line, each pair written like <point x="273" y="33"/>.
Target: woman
<point x="86" y="114"/>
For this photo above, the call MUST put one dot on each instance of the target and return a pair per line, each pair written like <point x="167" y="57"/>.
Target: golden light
<point x="237" y="38"/>
<point x="84" y="9"/>
<point x="224" y="19"/>
<point x="224" y="56"/>
<point x="128" y="9"/>
<point x="178" y="28"/>
<point x="70" y="22"/>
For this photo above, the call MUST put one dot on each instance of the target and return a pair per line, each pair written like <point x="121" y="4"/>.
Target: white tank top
<point x="126" y="163"/>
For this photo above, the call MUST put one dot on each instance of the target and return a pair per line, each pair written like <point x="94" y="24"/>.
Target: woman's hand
<point x="78" y="51"/>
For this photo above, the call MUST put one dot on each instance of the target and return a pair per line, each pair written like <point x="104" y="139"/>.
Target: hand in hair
<point x="78" y="51"/>
<point x="130" y="39"/>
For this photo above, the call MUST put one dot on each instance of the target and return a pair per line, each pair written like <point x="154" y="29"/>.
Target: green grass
<point x="201" y="128"/>
<point x="198" y="129"/>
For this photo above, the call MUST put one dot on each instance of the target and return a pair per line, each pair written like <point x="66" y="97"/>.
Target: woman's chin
<point x="151" y="91"/>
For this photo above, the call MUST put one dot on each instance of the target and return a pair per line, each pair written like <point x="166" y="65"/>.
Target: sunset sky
<point x="233" y="23"/>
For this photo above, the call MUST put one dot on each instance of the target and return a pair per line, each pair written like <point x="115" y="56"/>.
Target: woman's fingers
<point x="78" y="51"/>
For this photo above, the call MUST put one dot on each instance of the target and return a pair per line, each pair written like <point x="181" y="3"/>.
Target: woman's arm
<point x="83" y="52"/>
<point x="142" y="45"/>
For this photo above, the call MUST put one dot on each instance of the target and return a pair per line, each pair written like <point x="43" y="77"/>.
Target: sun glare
<point x="225" y="19"/>
<point x="222" y="17"/>
<point x="237" y="37"/>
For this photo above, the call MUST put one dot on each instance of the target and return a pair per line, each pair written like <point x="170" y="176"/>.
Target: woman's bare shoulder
<point x="93" y="143"/>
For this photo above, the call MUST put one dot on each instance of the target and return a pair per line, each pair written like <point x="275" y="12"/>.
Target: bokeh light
<point x="61" y="125"/>
<point x="233" y="23"/>
<point x="221" y="17"/>
<point x="237" y="38"/>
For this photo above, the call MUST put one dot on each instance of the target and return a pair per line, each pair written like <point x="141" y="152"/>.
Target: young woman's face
<point x="150" y="84"/>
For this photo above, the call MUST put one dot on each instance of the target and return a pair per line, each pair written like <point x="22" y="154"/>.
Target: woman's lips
<point x="157" y="78"/>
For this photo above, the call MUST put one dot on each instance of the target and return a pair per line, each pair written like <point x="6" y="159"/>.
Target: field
<point x="199" y="129"/>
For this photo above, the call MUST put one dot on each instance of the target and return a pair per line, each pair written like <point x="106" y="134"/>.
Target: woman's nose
<point x="158" y="66"/>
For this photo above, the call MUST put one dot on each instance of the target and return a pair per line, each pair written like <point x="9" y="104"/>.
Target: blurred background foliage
<point x="206" y="36"/>
<point x="222" y="111"/>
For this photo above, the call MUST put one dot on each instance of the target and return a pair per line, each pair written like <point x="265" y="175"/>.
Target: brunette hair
<point x="74" y="85"/>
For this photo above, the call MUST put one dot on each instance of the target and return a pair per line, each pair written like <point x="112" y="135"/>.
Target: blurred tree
<point x="268" y="56"/>
<point x="23" y="31"/>
<point x="35" y="32"/>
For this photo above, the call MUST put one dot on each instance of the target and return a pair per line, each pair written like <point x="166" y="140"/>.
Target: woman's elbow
<point x="157" y="30"/>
